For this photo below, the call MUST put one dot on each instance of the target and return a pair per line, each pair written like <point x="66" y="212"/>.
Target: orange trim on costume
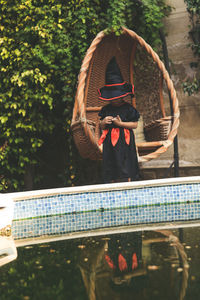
<point x="103" y="136"/>
<point x="134" y="261"/>
<point x="99" y="91"/>
<point x="124" y="95"/>
<point x="110" y="262"/>
<point x="122" y="263"/>
<point x="127" y="135"/>
<point x="114" y="84"/>
<point x="115" y="132"/>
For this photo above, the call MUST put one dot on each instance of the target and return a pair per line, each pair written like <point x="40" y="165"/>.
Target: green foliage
<point x="191" y="87"/>
<point x="193" y="8"/>
<point x="145" y="17"/>
<point x="42" y="45"/>
<point x="46" y="271"/>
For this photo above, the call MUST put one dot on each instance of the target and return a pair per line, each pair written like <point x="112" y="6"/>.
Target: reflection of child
<point x="123" y="257"/>
<point x="117" y="119"/>
<point x="124" y="254"/>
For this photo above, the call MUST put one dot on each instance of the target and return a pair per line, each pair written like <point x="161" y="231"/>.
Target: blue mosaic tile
<point x="69" y="223"/>
<point x="69" y="203"/>
<point x="92" y="210"/>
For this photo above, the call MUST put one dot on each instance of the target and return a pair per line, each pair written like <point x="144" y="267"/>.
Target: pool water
<point x="144" y="264"/>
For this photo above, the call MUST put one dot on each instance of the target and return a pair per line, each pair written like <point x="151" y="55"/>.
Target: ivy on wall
<point x="42" y="44"/>
<point x="193" y="8"/>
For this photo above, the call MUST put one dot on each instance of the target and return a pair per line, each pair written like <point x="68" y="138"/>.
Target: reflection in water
<point x="121" y="266"/>
<point x="112" y="264"/>
<point x="141" y="265"/>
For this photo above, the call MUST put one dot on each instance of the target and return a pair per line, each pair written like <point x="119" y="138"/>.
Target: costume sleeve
<point x="133" y="115"/>
<point x="102" y="113"/>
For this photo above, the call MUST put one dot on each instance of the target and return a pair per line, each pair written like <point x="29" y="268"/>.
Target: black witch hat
<point x="115" y="86"/>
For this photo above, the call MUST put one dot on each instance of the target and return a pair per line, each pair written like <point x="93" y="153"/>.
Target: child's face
<point x="117" y="102"/>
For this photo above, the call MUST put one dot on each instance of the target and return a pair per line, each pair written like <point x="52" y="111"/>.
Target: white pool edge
<point x="19" y="196"/>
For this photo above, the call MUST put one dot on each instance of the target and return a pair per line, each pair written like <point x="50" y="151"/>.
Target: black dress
<point x="120" y="161"/>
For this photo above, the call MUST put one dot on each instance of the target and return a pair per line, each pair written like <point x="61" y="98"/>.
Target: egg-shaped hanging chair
<point x="139" y="65"/>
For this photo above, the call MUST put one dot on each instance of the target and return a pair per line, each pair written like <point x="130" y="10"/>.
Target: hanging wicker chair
<point x="140" y="65"/>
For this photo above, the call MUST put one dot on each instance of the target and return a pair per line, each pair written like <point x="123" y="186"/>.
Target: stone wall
<point x="180" y="56"/>
<point x="163" y="172"/>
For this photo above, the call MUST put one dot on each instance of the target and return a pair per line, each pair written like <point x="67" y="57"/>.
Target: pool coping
<point x="104" y="210"/>
<point x="21" y="196"/>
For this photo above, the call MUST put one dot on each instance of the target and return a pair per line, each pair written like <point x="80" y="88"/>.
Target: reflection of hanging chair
<point x="96" y="273"/>
<point x="140" y="65"/>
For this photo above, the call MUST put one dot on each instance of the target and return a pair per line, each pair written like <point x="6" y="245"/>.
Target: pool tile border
<point x="69" y="210"/>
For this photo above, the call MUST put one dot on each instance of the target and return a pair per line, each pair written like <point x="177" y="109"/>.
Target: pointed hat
<point x="115" y="86"/>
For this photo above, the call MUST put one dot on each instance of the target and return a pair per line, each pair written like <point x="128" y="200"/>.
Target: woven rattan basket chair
<point x="140" y="65"/>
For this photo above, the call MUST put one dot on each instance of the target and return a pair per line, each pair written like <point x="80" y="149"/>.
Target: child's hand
<point x="117" y="121"/>
<point x="106" y="121"/>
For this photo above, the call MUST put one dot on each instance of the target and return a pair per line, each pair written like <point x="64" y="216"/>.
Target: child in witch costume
<point x="117" y="120"/>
